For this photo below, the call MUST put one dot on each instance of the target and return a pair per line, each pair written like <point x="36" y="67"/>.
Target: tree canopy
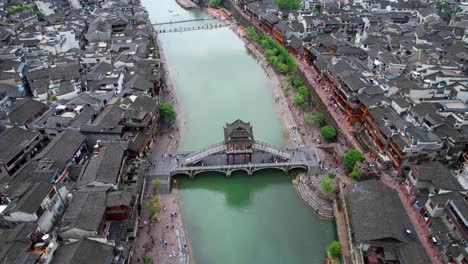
<point x="326" y="185"/>
<point x="215" y="2"/>
<point x="303" y="90"/>
<point x="167" y="111"/>
<point x="354" y="174"/>
<point x="351" y="157"/>
<point x="288" y="4"/>
<point x="277" y="55"/>
<point x="318" y="118"/>
<point x="328" y="132"/>
<point x="334" y="249"/>
<point x="299" y="100"/>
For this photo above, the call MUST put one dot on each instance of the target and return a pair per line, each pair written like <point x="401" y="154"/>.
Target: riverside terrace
<point x="238" y="152"/>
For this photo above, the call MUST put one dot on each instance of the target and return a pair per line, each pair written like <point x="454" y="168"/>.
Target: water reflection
<point x="237" y="193"/>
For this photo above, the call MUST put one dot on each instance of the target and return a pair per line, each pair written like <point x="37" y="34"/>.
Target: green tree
<point x="303" y="90"/>
<point x="354" y="174"/>
<point x="288" y="4"/>
<point x="307" y="38"/>
<point x="314" y="100"/>
<point x="326" y="185"/>
<point x="297" y="81"/>
<point x="271" y="52"/>
<point x="53" y="98"/>
<point x="147" y="260"/>
<point x="318" y="118"/>
<point x="282" y="68"/>
<point x="328" y="132"/>
<point x="299" y="100"/>
<point x="351" y="157"/>
<point x="308" y="117"/>
<point x="168" y="113"/>
<point x="331" y="175"/>
<point x="156" y="183"/>
<point x="215" y="2"/>
<point x="287" y="87"/>
<point x="334" y="249"/>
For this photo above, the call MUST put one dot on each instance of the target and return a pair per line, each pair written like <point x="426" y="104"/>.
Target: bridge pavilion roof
<point x="238" y="130"/>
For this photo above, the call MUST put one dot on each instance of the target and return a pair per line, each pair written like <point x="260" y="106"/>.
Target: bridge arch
<point x="246" y="170"/>
<point x="178" y="173"/>
<point x="270" y="168"/>
<point x="203" y="171"/>
<point x="296" y="167"/>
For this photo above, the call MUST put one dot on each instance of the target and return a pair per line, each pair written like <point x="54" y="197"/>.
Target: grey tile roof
<point x="104" y="167"/>
<point x="24" y="109"/>
<point x="438" y="174"/>
<point x="283" y="26"/>
<point x="377" y="217"/>
<point x="31" y="200"/>
<point x="13" y="140"/>
<point x="84" y="251"/>
<point x="138" y="82"/>
<point x="15" y="242"/>
<point x="387" y="119"/>
<point x="85" y="211"/>
<point x="118" y="198"/>
<point x="62" y="148"/>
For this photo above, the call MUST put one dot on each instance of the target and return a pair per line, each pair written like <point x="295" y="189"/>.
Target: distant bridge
<point x="191" y="28"/>
<point x="183" y="21"/>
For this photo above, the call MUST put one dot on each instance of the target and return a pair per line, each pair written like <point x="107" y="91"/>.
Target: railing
<point x="218" y="147"/>
<point x="204" y="152"/>
<point x="271" y="149"/>
<point x="239" y="166"/>
<point x="183" y="21"/>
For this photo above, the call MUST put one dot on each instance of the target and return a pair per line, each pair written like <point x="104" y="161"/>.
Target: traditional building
<point x="238" y="137"/>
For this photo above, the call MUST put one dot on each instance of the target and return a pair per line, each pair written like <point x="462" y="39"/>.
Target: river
<point x="243" y="219"/>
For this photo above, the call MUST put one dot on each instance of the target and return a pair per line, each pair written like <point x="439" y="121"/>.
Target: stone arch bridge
<point x="213" y="159"/>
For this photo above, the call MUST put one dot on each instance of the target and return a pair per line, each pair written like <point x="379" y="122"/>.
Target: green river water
<point x="243" y="219"/>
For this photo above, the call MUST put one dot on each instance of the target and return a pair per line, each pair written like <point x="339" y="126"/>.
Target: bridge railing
<point x="269" y="148"/>
<point x="206" y="151"/>
<point x="239" y="166"/>
<point x="183" y="21"/>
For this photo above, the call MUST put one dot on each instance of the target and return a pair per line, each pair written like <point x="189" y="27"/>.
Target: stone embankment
<point x="312" y="197"/>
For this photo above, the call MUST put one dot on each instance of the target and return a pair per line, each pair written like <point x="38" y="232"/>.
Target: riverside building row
<point x="79" y="107"/>
<point x="398" y="73"/>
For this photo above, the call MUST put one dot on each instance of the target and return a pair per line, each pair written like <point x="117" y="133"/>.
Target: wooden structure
<point x="238" y="138"/>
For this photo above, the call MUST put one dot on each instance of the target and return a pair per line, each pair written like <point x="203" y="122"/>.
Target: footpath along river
<point x="244" y="219"/>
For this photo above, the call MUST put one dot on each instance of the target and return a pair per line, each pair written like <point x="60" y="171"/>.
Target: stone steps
<point x="314" y="201"/>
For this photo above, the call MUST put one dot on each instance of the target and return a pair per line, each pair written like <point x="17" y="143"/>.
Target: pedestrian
<point x="172" y="227"/>
<point x="167" y="226"/>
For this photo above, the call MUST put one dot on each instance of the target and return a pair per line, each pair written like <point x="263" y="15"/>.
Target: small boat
<point x="170" y="11"/>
